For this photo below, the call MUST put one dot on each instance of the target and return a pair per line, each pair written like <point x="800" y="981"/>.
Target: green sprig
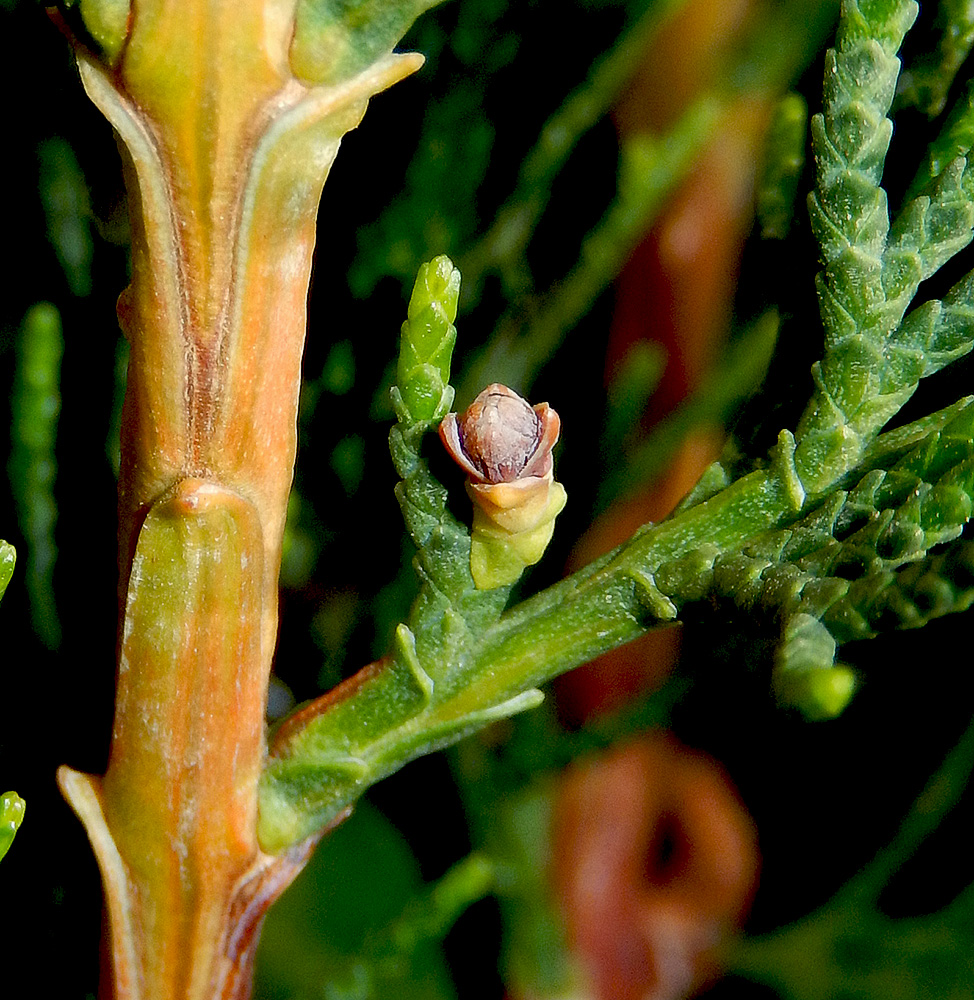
<point x="8" y="558"/>
<point x="835" y="573"/>
<point x="850" y="218"/>
<point x="955" y="139"/>
<point x="12" y="809"/>
<point x="422" y="393"/>
<point x="32" y="466"/>
<point x="422" y="398"/>
<point x="784" y="158"/>
<point x="927" y="82"/>
<point x="834" y="534"/>
<point x="416" y="699"/>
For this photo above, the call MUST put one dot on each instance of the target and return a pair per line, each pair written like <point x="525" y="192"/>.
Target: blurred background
<point x="622" y="185"/>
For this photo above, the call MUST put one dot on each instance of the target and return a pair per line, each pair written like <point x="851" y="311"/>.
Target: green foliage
<point x="873" y="362"/>
<point x="66" y="203"/>
<point x="7" y="560"/>
<point x="816" y="558"/>
<point x="782" y="167"/>
<point x="33" y="466"/>
<point x="419" y="698"/>
<point x="850" y="219"/>
<point x="450" y="611"/>
<point x="422" y="393"/>
<point x="12" y="809"/>
<point x="874" y="358"/>
<point x="928" y="80"/>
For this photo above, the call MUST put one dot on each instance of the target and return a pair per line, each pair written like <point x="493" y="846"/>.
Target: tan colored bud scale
<point x="504" y="445"/>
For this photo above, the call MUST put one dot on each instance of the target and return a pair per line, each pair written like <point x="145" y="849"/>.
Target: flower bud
<point x="504" y="445"/>
<point x="499" y="434"/>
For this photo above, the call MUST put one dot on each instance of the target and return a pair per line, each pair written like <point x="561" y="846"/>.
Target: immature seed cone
<point x="504" y="445"/>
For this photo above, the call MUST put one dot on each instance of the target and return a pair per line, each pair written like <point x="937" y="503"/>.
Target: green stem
<point x="324" y="757"/>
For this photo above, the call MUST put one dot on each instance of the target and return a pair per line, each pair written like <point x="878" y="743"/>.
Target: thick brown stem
<point x="227" y="156"/>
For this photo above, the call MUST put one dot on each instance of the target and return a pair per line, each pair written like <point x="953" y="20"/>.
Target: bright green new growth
<point x="851" y="220"/>
<point x="423" y="393"/>
<point x="12" y="809"/>
<point x="855" y="559"/>
<point x="8" y="558"/>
